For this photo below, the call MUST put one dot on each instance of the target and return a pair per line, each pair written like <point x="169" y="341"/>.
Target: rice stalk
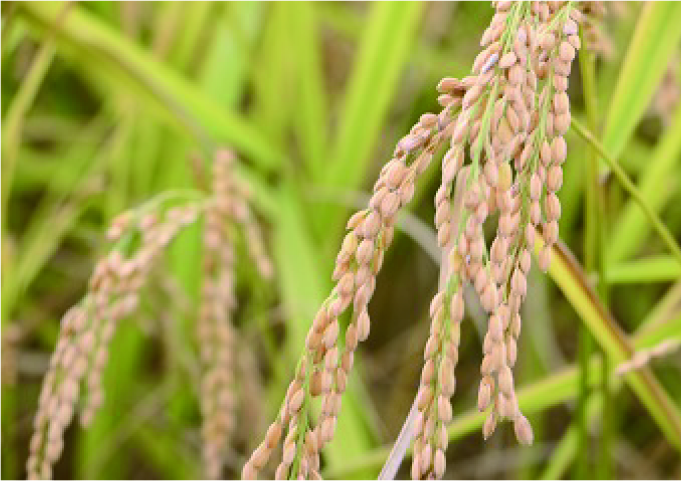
<point x="324" y="367"/>
<point x="82" y="350"/>
<point x="215" y="332"/>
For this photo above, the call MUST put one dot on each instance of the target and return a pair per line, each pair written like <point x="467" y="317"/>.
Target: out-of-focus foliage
<point x="104" y="105"/>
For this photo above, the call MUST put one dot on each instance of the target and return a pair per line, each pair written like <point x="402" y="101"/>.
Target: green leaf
<point x="311" y="116"/>
<point x="272" y="74"/>
<point x="384" y="50"/>
<point x="655" y="332"/>
<point x="13" y="122"/>
<point x="655" y="42"/>
<point x="102" y="47"/>
<point x="298" y="270"/>
<point x="196" y="19"/>
<point x="235" y="39"/>
<point x="662" y="268"/>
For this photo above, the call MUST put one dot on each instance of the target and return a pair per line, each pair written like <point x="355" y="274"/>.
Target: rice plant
<point x="176" y="179"/>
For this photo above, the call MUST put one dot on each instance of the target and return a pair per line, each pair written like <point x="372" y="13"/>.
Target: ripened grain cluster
<point x="514" y="113"/>
<point x="324" y="367"/>
<point x="508" y="119"/>
<point x="82" y="350"/>
<point x="215" y="333"/>
<point x="140" y="237"/>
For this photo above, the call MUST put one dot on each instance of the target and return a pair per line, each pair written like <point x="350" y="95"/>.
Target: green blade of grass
<point x="144" y="156"/>
<point x="631" y="228"/>
<point x="128" y="425"/>
<point x="101" y="47"/>
<point x="620" y="35"/>
<point x="661" y="268"/>
<point x="667" y="308"/>
<point x="298" y="270"/>
<point x="655" y="42"/>
<point x="384" y="50"/>
<point x="14" y="120"/>
<point x="166" y="21"/>
<point x="11" y="31"/>
<point x="196" y="18"/>
<point x="120" y="162"/>
<point x="235" y="38"/>
<point x="311" y="116"/>
<point x="225" y="82"/>
<point x="273" y="73"/>
<point x="654" y="333"/>
<point x="434" y="62"/>
<point x="595" y="224"/>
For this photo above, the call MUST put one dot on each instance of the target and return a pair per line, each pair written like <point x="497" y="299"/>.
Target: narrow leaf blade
<point x="655" y="42"/>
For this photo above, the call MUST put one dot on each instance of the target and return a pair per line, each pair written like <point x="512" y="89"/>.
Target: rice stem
<point x="629" y="187"/>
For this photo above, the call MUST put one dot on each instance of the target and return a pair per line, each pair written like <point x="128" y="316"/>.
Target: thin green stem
<point x="8" y="24"/>
<point x="630" y="187"/>
<point x="593" y="243"/>
<point x="181" y="195"/>
<point x="23" y="101"/>
<point x="14" y="121"/>
<point x="595" y="246"/>
<point x="303" y="420"/>
<point x="584" y="350"/>
<point x="591" y="210"/>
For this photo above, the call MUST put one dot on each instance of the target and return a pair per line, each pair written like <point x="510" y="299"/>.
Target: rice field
<point x="347" y="240"/>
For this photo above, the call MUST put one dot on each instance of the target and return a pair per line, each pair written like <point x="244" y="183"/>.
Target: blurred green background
<point x="105" y="104"/>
